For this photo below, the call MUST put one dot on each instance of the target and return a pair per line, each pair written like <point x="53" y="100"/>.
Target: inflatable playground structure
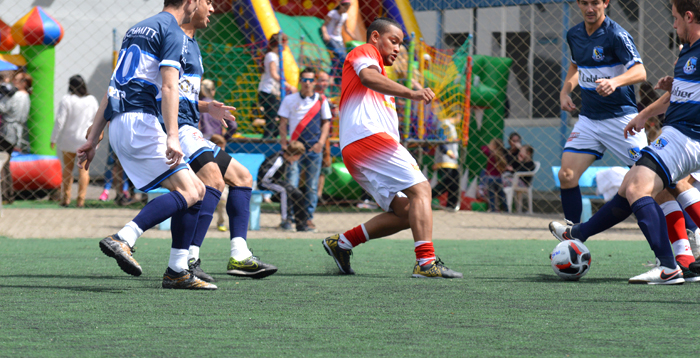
<point x="470" y="90"/>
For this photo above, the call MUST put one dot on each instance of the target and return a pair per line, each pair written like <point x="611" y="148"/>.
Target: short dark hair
<point x="76" y="86"/>
<point x="307" y="70"/>
<point x="381" y="25"/>
<point x="683" y="6"/>
<point x="173" y="3"/>
<point x="530" y="150"/>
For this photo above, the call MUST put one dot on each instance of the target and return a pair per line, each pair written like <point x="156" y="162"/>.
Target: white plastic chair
<point x="4" y="157"/>
<point x="515" y="188"/>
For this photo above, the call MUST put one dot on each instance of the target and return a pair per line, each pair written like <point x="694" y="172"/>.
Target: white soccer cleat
<point x="660" y="275"/>
<point x="562" y="232"/>
<point x="694" y="239"/>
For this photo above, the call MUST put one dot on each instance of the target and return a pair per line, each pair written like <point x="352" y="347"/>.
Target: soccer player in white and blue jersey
<point x="147" y="73"/>
<point x="671" y="157"/>
<point x="214" y="167"/>
<point x="605" y="63"/>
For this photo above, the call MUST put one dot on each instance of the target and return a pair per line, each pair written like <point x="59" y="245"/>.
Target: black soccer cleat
<point x="196" y="268"/>
<point x="114" y="246"/>
<point x="341" y="256"/>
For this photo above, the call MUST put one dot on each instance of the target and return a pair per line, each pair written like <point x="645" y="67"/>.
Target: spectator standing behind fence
<point x="491" y="176"/>
<point x="308" y="115"/>
<point x="269" y="86"/>
<point x="322" y="82"/>
<point x="272" y="177"/>
<point x="208" y="124"/>
<point x="446" y="156"/>
<point x="332" y="32"/>
<point x="74" y="116"/>
<point x="15" y="110"/>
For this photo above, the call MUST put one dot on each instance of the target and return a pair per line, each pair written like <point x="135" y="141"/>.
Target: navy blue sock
<point x="238" y="210"/>
<point x="183" y="226"/>
<point x="571" y="203"/>
<point x="689" y="223"/>
<point x="613" y="212"/>
<point x="206" y="214"/>
<point x="160" y="209"/>
<point x="650" y="219"/>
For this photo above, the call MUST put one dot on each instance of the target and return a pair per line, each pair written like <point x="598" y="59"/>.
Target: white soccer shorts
<point x="596" y="136"/>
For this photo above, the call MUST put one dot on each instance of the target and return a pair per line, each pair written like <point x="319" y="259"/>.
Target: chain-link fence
<point x="496" y="67"/>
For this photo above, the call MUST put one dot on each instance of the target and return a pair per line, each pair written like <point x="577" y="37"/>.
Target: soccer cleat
<point x="660" y="275"/>
<point x="114" y="246"/>
<point x="196" y="268"/>
<point x="251" y="267"/>
<point x="689" y="276"/>
<point x="694" y="239"/>
<point x="436" y="269"/>
<point x="184" y="280"/>
<point x="341" y="256"/>
<point x="221" y="228"/>
<point x="562" y="232"/>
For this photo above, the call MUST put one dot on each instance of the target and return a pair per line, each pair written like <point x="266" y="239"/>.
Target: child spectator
<point x="272" y="177"/>
<point x="332" y="32"/>
<point x="446" y="156"/>
<point x="491" y="176"/>
<point x="74" y="116"/>
<point x="523" y="163"/>
<point x="515" y="142"/>
<point x="208" y="124"/>
<point x="221" y="207"/>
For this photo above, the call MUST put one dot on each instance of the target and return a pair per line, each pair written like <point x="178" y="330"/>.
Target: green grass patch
<point x="65" y="298"/>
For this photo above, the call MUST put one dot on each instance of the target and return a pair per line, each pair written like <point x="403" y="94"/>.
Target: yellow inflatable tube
<point x="409" y="19"/>
<point x="268" y="22"/>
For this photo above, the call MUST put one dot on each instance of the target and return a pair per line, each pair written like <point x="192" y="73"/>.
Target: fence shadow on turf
<point x="69" y="288"/>
<point x="555" y="279"/>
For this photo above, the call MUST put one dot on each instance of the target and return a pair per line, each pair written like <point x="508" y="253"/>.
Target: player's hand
<point x="425" y="94"/>
<point x="317" y="148"/>
<point x="665" y="84"/>
<point x="53" y="146"/>
<point x="635" y="126"/>
<point x="173" y="153"/>
<point x="605" y="87"/>
<point x="221" y="112"/>
<point x="567" y="104"/>
<point x="85" y="154"/>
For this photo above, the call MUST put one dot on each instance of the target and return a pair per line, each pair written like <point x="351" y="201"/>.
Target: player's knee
<point x="246" y="179"/>
<point x="217" y="183"/>
<point x="566" y="176"/>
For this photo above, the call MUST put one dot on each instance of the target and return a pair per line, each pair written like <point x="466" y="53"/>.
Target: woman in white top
<point x="75" y="114"/>
<point x="332" y="32"/>
<point x="269" y="86"/>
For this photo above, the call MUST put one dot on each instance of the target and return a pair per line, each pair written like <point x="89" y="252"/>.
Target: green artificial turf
<point x="65" y="298"/>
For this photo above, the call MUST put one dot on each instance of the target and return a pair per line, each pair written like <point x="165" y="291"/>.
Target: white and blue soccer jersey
<point x="189" y="86"/>
<point x="136" y="83"/>
<point x="607" y="53"/>
<point x="684" y="111"/>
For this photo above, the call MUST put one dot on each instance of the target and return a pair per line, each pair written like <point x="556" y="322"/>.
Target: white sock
<point x="669" y="207"/>
<point x="344" y="243"/>
<point x="130" y="233"/>
<point x="688" y="197"/>
<point x="193" y="253"/>
<point x="178" y="260"/>
<point x="239" y="249"/>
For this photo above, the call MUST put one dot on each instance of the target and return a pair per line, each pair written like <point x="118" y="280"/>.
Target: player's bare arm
<point x="570" y="82"/>
<point x="658" y="107"/>
<point x="217" y="110"/>
<point x="87" y="151"/>
<point x="283" y="132"/>
<point x="374" y="80"/>
<point x="635" y="74"/>
<point x="169" y="105"/>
